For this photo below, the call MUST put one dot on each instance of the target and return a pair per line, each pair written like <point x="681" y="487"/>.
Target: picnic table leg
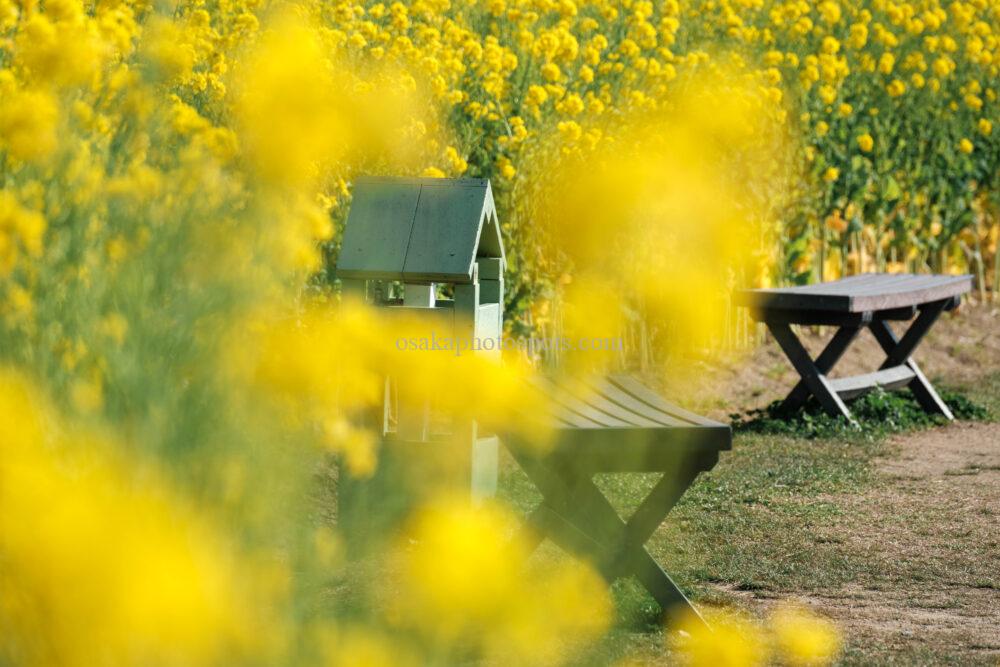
<point x="899" y="350"/>
<point x="825" y="362"/>
<point x="814" y="379"/>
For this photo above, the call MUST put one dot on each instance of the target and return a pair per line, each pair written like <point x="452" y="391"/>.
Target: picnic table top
<point x="858" y="294"/>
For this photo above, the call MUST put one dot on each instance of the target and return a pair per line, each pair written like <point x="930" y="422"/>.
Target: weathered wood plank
<point x="490" y="268"/>
<point x="832" y="317"/>
<point x="377" y="231"/>
<point x="635" y="388"/>
<point x="858" y="294"/>
<point x="889" y="378"/>
<point x="579" y="407"/>
<point x="600" y="402"/>
<point x="445" y="233"/>
<point x="639" y="449"/>
<point x="633" y="404"/>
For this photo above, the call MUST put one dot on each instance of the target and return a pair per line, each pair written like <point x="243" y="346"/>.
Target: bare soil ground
<point x="931" y="532"/>
<point x="929" y="527"/>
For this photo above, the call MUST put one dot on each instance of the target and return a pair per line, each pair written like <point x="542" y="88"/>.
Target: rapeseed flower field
<point x="179" y="367"/>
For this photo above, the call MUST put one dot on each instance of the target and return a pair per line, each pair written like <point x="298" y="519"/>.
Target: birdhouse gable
<point x="419" y="230"/>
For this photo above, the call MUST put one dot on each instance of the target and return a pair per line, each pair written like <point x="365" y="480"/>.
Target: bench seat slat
<point x="564" y="397"/>
<point x="627" y="401"/>
<point x="643" y="393"/>
<point x="619" y="404"/>
<point x="903" y="286"/>
<point x="593" y="397"/>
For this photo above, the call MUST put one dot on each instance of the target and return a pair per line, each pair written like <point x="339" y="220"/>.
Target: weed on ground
<point x="877" y="414"/>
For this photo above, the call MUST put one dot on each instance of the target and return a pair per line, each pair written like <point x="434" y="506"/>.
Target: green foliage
<point x="878" y="413"/>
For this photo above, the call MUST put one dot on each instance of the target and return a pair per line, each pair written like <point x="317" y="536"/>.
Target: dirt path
<point x="931" y="532"/>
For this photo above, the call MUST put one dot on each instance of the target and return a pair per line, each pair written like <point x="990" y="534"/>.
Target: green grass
<point x="753" y="523"/>
<point x="986" y="393"/>
<point x="878" y="413"/>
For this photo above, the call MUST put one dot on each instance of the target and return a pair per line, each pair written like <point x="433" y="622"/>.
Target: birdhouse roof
<point x="419" y="229"/>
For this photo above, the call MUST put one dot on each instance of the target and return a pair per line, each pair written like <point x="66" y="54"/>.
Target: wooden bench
<point x="615" y="425"/>
<point x="868" y="301"/>
<point x="422" y="232"/>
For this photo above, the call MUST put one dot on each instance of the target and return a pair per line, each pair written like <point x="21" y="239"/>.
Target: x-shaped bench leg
<point x="578" y="518"/>
<point x="813" y="373"/>
<point x="824" y="363"/>
<point x="898" y="351"/>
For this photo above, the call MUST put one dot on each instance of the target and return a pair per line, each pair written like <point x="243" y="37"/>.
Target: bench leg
<point x="825" y="362"/>
<point x="813" y="377"/>
<point x="626" y="553"/>
<point x="899" y="350"/>
<point x="578" y="518"/>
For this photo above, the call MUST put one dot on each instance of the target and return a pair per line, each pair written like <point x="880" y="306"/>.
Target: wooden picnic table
<point x="868" y="301"/>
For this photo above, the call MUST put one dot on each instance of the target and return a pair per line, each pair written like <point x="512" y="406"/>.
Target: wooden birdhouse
<point x="407" y="241"/>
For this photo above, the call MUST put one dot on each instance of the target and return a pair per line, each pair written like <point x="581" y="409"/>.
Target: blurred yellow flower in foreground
<point x="662" y="214"/>
<point x="465" y="578"/>
<point x="28" y="124"/>
<point x="731" y="641"/>
<point x="866" y="143"/>
<point x="791" y="636"/>
<point x="289" y="105"/>
<point x="102" y="563"/>
<point x="21" y="232"/>
<point x="966" y="146"/>
<point x="329" y="367"/>
<point x="802" y="638"/>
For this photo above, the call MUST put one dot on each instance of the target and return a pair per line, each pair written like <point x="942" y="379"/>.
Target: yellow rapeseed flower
<point x="830" y="11"/>
<point x="866" y="143"/>
<point x="836" y="223"/>
<point x="966" y="146"/>
<point x="464" y="577"/>
<point x="21" y="232"/>
<point x="505" y="168"/>
<point x="28" y="124"/>
<point x="896" y="88"/>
